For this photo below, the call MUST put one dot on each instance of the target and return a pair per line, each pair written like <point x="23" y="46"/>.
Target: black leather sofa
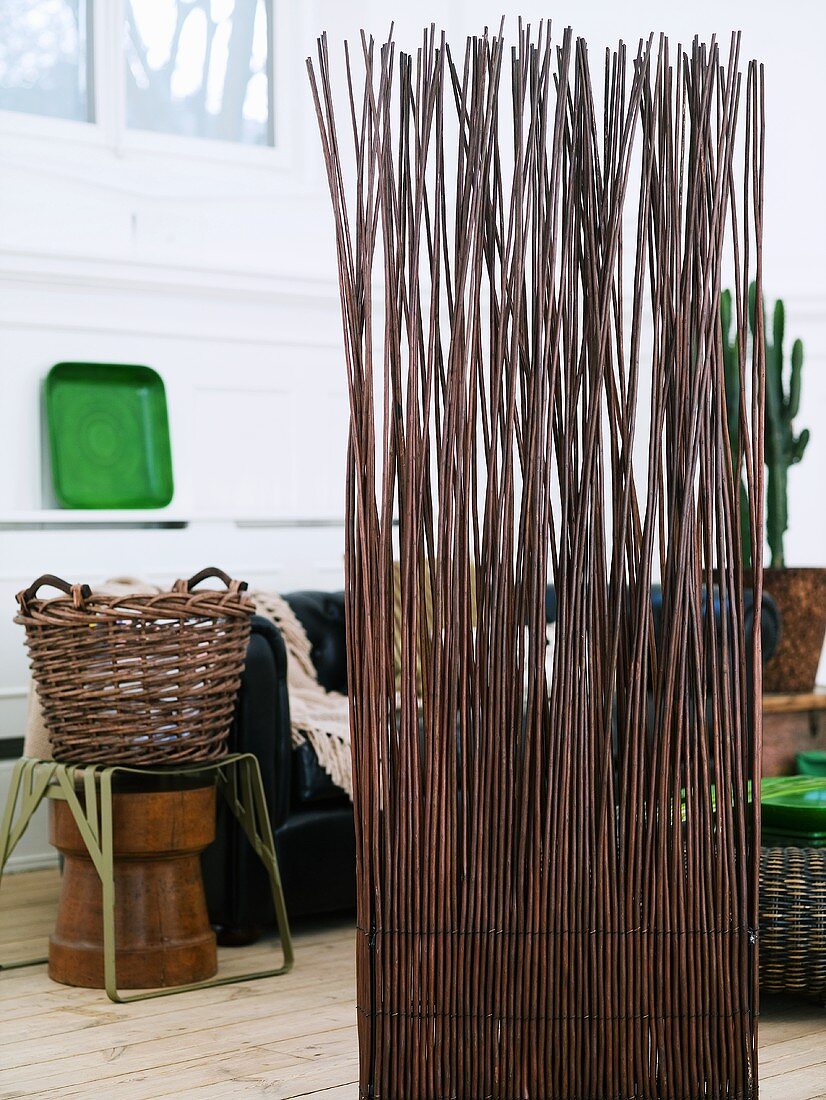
<point x="312" y="821"/>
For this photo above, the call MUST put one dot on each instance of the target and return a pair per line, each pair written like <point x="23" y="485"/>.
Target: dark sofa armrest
<point x="262" y="716"/>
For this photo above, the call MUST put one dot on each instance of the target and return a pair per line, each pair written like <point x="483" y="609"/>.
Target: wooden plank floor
<point x="281" y="1038"/>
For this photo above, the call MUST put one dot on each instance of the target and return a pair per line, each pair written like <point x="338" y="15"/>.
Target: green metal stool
<point x="239" y="779"/>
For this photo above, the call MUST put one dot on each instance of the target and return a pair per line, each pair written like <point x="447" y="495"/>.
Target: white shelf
<point x="71" y="516"/>
<point x="81" y="517"/>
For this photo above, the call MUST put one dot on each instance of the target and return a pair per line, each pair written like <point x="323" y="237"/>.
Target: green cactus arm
<point x="725" y="316"/>
<point x="777" y="519"/>
<point x="799" y="446"/>
<point x="773" y="348"/>
<point x="774" y="409"/>
<point x="793" y="404"/>
<point x="774" y="360"/>
<point x="778" y="328"/>
<point x="745" y="525"/>
<point x="731" y="378"/>
<point x="731" y="368"/>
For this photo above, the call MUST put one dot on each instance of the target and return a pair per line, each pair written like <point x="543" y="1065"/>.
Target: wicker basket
<point x="138" y="679"/>
<point x="793" y="921"/>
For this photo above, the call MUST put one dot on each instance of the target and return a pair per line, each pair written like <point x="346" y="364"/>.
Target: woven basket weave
<point x="138" y="679"/>
<point x="793" y="921"/>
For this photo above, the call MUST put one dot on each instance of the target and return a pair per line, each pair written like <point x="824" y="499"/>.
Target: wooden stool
<point x="162" y="928"/>
<point x="92" y="819"/>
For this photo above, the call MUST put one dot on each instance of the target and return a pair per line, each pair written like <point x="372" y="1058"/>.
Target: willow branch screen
<point x="557" y="868"/>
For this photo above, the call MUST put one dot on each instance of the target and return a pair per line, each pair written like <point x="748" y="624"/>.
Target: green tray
<point x="108" y="436"/>
<point x="794" y="805"/>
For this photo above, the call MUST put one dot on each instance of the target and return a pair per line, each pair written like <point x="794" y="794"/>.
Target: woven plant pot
<point x="800" y="595"/>
<point x="137" y="679"/>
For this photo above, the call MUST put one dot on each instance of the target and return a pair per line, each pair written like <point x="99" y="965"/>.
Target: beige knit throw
<point x="318" y="716"/>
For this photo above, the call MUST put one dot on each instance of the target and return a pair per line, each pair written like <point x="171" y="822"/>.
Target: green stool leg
<point x="107" y="885"/>
<point x="46" y="779"/>
<point x="244" y="792"/>
<point x="251" y="812"/>
<point x="29" y="782"/>
<point x="7" y="825"/>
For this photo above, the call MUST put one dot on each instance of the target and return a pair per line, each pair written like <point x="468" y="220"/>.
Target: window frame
<point x="106" y="81"/>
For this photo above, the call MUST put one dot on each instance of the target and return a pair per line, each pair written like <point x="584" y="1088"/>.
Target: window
<point x="200" y="68"/>
<point x="45" y="58"/>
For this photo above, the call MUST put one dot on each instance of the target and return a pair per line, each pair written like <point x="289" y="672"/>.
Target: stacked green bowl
<point x="793" y="812"/>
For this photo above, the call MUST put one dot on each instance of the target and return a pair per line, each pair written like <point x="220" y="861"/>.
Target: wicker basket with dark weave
<point x="138" y="679"/>
<point x="793" y="921"/>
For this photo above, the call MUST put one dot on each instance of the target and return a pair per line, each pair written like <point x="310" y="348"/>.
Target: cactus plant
<point x="782" y="447"/>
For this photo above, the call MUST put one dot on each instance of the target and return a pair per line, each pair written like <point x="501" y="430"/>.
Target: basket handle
<point x="211" y="571"/>
<point x="79" y="592"/>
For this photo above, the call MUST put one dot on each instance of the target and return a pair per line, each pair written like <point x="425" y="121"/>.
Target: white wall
<point x="788" y="39"/>
<point x="218" y="270"/>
